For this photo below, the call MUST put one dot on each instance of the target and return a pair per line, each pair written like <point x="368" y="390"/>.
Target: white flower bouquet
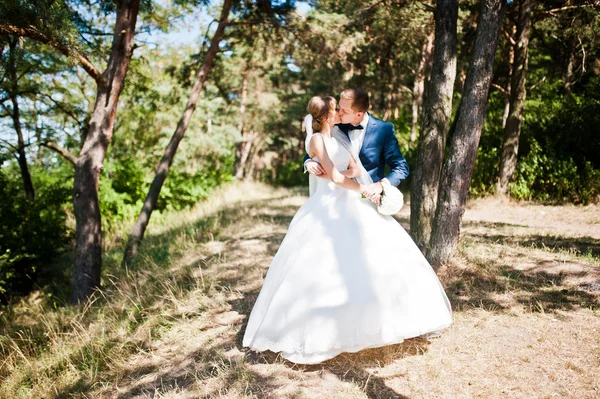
<point x="392" y="199"/>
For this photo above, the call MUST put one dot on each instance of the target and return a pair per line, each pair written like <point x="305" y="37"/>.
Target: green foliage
<point x="561" y="145"/>
<point x="32" y="233"/>
<point x="289" y="174"/>
<point x="559" y="151"/>
<point x="183" y="189"/>
<point x="542" y="178"/>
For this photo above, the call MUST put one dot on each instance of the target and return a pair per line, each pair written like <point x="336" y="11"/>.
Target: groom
<point x="376" y="140"/>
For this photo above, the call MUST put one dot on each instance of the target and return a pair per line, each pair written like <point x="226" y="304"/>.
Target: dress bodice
<point x="338" y="155"/>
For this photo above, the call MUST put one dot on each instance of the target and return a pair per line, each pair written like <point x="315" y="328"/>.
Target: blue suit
<point x="380" y="148"/>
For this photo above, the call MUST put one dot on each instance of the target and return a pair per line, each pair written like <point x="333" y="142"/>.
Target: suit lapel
<point x="369" y="132"/>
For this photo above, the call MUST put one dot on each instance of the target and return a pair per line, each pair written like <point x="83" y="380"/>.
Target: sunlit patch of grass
<point x="49" y="350"/>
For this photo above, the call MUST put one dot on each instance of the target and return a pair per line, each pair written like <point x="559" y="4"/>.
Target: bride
<point x="345" y="278"/>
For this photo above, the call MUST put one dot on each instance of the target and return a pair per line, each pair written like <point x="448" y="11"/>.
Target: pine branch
<point x="539" y="82"/>
<point x="560" y="9"/>
<point x="508" y="37"/>
<point x="62" y="151"/>
<point x="63" y="48"/>
<point x="406" y="89"/>
<point x="500" y="89"/>
<point x="64" y="109"/>
<point x="427" y="7"/>
<point x="553" y="12"/>
<point x="8" y="145"/>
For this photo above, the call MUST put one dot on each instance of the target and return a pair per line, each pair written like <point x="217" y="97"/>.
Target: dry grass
<point x="525" y="288"/>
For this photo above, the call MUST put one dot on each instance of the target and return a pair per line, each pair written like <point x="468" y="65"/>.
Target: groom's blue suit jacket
<point x="380" y="148"/>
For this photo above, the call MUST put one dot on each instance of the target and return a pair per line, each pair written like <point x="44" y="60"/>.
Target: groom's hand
<point x="373" y="192"/>
<point x="315" y="169"/>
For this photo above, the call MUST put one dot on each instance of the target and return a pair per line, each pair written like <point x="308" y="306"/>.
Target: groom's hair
<point x="359" y="98"/>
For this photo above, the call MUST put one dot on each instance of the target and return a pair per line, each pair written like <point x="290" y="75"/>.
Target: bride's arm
<point x="318" y="146"/>
<point x="353" y="170"/>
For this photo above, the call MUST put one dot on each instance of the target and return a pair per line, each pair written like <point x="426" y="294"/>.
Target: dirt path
<point x="524" y="290"/>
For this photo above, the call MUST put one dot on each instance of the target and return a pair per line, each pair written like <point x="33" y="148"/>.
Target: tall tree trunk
<point x="16" y="117"/>
<point x="25" y="175"/>
<point x="518" y="92"/>
<point x="510" y="44"/>
<point x="137" y="233"/>
<point x="38" y="135"/>
<point x="506" y="112"/>
<point x="437" y="111"/>
<point x="250" y="136"/>
<point x="253" y="160"/>
<point x="88" y="230"/>
<point x="240" y="148"/>
<point x="568" y="73"/>
<point x="419" y="87"/>
<point x="458" y="166"/>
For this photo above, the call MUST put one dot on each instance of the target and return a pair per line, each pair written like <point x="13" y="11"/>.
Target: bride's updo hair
<point x="319" y="108"/>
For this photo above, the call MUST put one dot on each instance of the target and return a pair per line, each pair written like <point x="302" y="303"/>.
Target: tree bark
<point x="240" y="149"/>
<point x="88" y="230"/>
<point x="518" y="92"/>
<point x="568" y="73"/>
<point x="510" y="43"/>
<point x="137" y="233"/>
<point x="249" y="142"/>
<point x="458" y="166"/>
<point x="419" y="87"/>
<point x="16" y="117"/>
<point x="253" y="161"/>
<point x="25" y="175"/>
<point x="437" y="111"/>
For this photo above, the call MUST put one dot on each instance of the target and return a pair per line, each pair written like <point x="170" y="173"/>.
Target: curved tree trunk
<point x="518" y="92"/>
<point x="437" y="110"/>
<point x="458" y="167"/>
<point x="137" y="233"/>
<point x="88" y="230"/>
<point x="16" y="117"/>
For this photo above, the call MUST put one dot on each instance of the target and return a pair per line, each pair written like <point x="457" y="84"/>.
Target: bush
<point x="184" y="189"/>
<point x="559" y="149"/>
<point x="32" y="233"/>
<point x="289" y="174"/>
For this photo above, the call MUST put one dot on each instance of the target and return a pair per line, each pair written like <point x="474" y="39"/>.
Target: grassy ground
<point x="525" y="288"/>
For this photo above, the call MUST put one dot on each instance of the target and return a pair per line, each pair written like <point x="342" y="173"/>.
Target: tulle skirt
<point x="345" y="278"/>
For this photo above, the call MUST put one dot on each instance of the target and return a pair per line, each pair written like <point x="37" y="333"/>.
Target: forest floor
<point x="525" y="290"/>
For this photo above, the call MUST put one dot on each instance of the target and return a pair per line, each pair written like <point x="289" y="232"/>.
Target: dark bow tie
<point x="346" y="127"/>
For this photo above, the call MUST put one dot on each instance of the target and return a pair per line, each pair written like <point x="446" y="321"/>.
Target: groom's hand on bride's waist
<point x="315" y="169"/>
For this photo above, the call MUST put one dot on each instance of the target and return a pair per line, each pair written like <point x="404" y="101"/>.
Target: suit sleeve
<point x="306" y="158"/>
<point x="394" y="159"/>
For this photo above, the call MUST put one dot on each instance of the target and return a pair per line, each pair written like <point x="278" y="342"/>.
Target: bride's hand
<point x="376" y="200"/>
<point x="374" y="190"/>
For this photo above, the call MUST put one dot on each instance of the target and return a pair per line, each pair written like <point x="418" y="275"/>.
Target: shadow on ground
<point x="586" y="246"/>
<point x="540" y="283"/>
<point x="475" y="287"/>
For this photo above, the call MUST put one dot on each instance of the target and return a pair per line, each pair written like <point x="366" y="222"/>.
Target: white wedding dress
<point x="345" y="278"/>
